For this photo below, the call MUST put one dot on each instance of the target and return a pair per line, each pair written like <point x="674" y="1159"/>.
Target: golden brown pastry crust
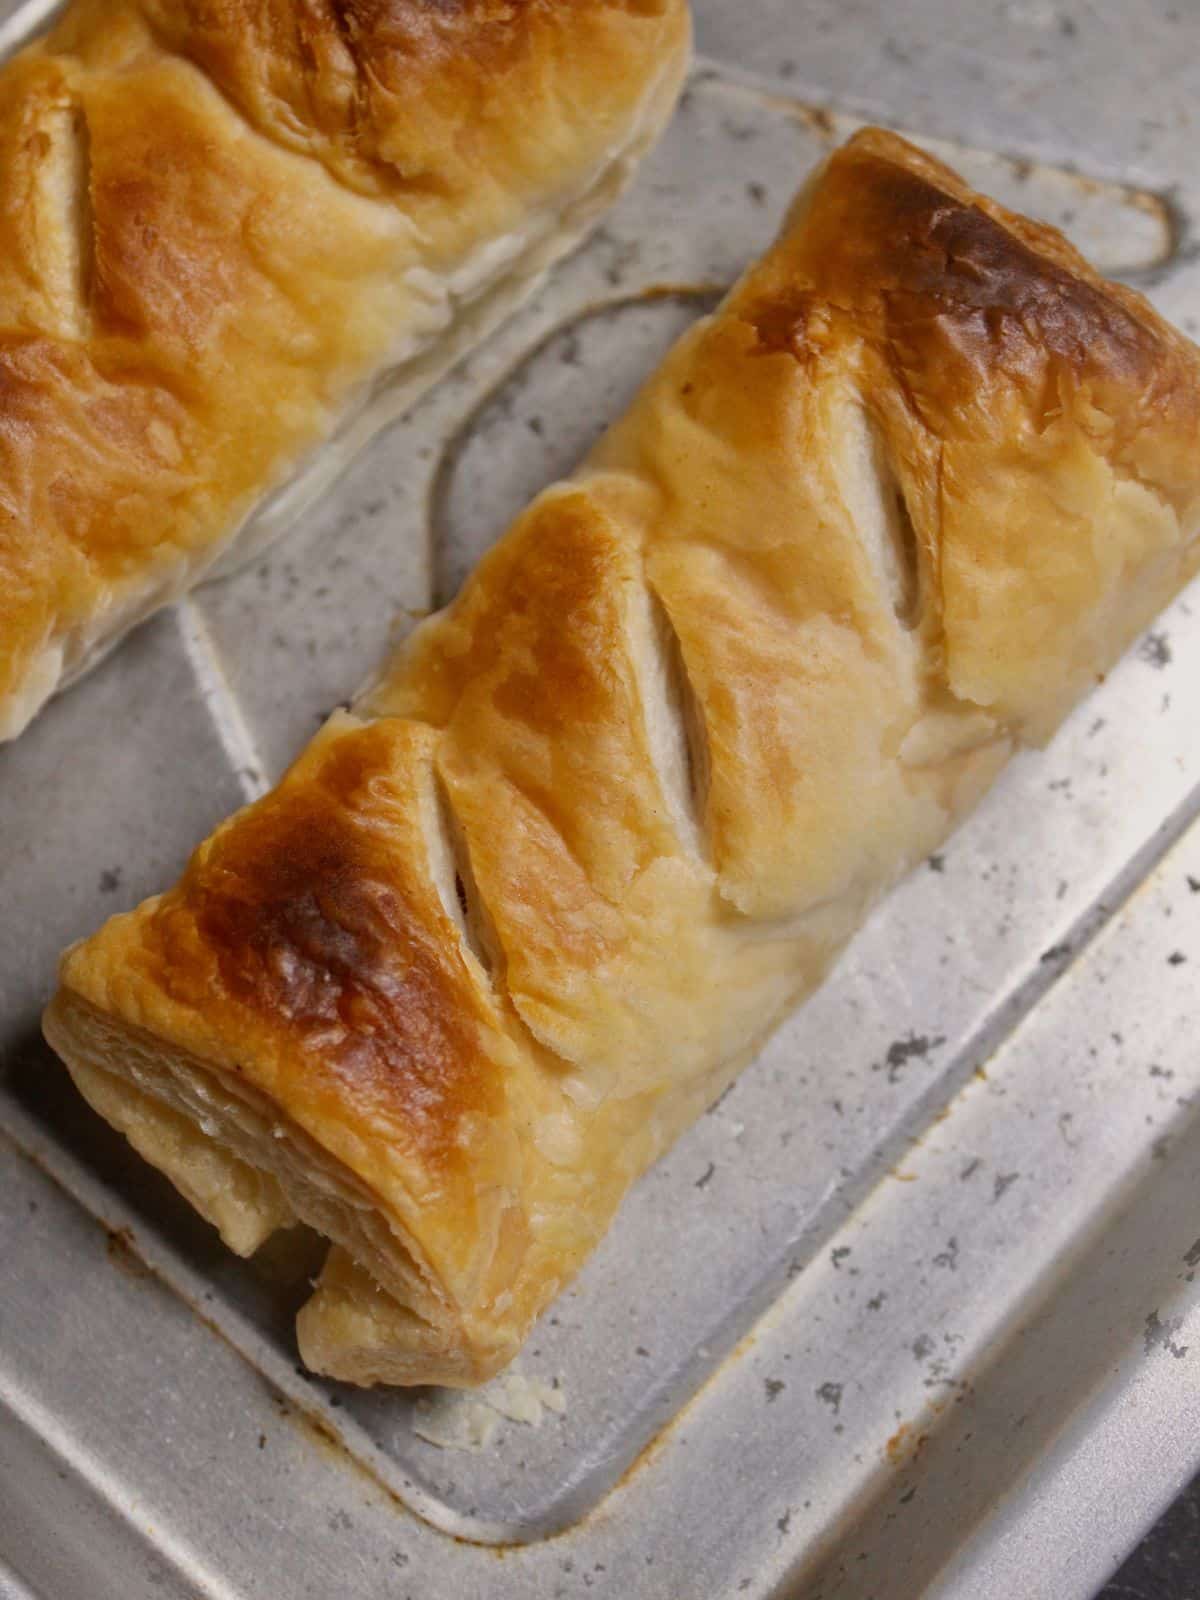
<point x="501" y="934"/>
<point x="219" y="221"/>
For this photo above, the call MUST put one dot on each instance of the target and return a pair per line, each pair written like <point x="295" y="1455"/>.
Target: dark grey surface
<point x="1166" y="1565"/>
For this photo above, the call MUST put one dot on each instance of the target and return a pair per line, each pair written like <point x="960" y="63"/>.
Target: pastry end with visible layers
<point x="503" y="931"/>
<point x="230" y="235"/>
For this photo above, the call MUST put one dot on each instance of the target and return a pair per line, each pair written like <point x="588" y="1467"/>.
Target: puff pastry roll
<point x="508" y="926"/>
<point x="231" y="229"/>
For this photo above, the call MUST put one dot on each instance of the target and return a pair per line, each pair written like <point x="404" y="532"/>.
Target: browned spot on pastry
<point x="954" y="260"/>
<point x="965" y="294"/>
<point x="350" y="69"/>
<point x="313" y="927"/>
<point x="168" y="202"/>
<point x="121" y="427"/>
<point x="545" y="600"/>
<point x="790" y="323"/>
<point x="563" y="590"/>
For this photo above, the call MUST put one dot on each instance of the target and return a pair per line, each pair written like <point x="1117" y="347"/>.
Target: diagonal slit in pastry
<point x="450" y="868"/>
<point x="60" y="210"/>
<point x="673" y="718"/>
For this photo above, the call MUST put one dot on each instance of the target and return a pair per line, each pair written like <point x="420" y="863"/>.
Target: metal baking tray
<point x="913" y="1310"/>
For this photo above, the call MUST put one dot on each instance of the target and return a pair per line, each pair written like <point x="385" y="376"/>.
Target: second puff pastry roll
<point x="234" y="233"/>
<point x="503" y="931"/>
